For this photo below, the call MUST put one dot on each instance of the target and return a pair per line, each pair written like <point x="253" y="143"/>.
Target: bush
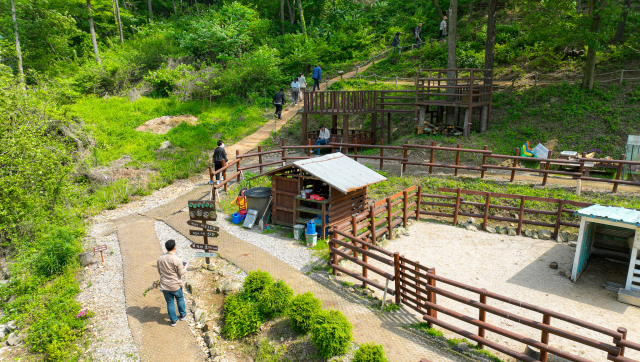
<point x="255" y="283"/>
<point x="331" y="333"/>
<point x="241" y="317"/>
<point x="370" y="352"/>
<point x="274" y="299"/>
<point x="268" y="352"/>
<point x="302" y="310"/>
<point x="58" y="251"/>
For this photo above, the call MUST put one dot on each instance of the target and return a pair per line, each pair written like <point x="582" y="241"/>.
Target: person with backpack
<point x="317" y="76"/>
<point x="295" y="91"/>
<point x="416" y="34"/>
<point x="278" y="101"/>
<point x="443" y="28"/>
<point x="396" y="43"/>
<point x="219" y="154"/>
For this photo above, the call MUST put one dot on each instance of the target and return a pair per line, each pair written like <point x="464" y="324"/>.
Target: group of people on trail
<point x="298" y="88"/>
<point x="417" y="32"/>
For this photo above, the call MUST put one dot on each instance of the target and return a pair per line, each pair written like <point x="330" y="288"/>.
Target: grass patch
<point x="452" y="342"/>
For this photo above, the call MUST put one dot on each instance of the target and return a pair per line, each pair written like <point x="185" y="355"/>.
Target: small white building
<point x="620" y="228"/>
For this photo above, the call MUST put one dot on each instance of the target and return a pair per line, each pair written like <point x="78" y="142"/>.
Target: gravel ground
<point x="102" y="291"/>
<point x="284" y="248"/>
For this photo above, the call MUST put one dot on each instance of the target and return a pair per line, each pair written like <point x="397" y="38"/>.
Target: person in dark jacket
<point x="317" y="76"/>
<point x="396" y="43"/>
<point x="279" y="100"/>
<point x="218" y="155"/>
<point x="416" y="35"/>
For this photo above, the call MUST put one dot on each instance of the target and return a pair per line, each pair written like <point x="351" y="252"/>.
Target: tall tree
<point x="175" y="11"/>
<point x="150" y="10"/>
<point x="595" y="7"/>
<point x="619" y="37"/>
<point x="489" y="49"/>
<point x="470" y="11"/>
<point x="117" y="14"/>
<point x="282" y="16"/>
<point x="451" y="56"/>
<point x="17" y="34"/>
<point x="302" y="24"/>
<point x="438" y="9"/>
<point x="197" y="8"/>
<point x="292" y="11"/>
<point x="92" y="29"/>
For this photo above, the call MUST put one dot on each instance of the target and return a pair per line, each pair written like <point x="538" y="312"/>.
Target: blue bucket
<point x="236" y="218"/>
<point x="311" y="227"/>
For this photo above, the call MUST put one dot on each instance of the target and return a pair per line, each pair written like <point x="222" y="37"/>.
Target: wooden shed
<point x="340" y="181"/>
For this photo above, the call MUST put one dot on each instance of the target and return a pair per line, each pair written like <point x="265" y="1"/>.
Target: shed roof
<point x="611" y="213"/>
<point x="341" y="172"/>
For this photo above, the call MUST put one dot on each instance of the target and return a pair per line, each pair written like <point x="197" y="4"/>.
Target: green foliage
<point x="255" y="283"/>
<point x="164" y="80"/>
<point x="331" y="333"/>
<point x="275" y="297"/>
<point x="370" y="352"/>
<point x="302" y="311"/>
<point x="254" y="72"/>
<point x="267" y="352"/>
<point x="59" y="250"/>
<point x="391" y="307"/>
<point x="241" y="317"/>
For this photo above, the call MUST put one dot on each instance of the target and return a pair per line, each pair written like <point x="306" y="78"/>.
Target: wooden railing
<point x="340" y="102"/>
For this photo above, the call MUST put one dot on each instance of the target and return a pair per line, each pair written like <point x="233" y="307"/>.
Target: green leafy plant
<point x="273" y="300"/>
<point x="370" y="352"/>
<point x="59" y="250"/>
<point x="268" y="352"/>
<point x="331" y="333"/>
<point x="302" y="311"/>
<point x="241" y="317"/>
<point x="391" y="307"/>
<point x="255" y="283"/>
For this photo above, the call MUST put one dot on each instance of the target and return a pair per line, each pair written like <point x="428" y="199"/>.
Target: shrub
<point x="58" y="251"/>
<point x="302" y="310"/>
<point x="331" y="333"/>
<point x="255" y="283"/>
<point x="370" y="352"/>
<point x="241" y="317"/>
<point x="274" y="299"/>
<point x="268" y="352"/>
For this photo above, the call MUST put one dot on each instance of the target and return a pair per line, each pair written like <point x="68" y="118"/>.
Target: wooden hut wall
<point x="343" y="206"/>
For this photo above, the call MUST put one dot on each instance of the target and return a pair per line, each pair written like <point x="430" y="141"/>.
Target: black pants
<point x="441" y="35"/>
<point x="316" y="82"/>
<point x="279" y="111"/>
<point x="217" y="165"/>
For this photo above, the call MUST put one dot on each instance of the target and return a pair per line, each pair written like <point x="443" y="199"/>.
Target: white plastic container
<point x="298" y="231"/>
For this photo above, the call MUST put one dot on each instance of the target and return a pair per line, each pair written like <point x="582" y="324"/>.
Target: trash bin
<point x="258" y="199"/>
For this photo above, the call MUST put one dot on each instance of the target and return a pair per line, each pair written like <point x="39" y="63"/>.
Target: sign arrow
<point x="204" y="247"/>
<point x="204" y="226"/>
<point x="210" y="234"/>
<point x="206" y="255"/>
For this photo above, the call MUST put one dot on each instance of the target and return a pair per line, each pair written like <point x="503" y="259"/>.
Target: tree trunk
<point x="282" y="16"/>
<point x="197" y="8"/>
<point x="435" y="3"/>
<point x="119" y="21"/>
<point x="619" y="37"/>
<point x="175" y="11"/>
<point x="292" y="18"/>
<point x="15" y="31"/>
<point x="578" y="6"/>
<point x="124" y="3"/>
<point x="470" y="11"/>
<point x="302" y="24"/>
<point x="92" y="29"/>
<point x="451" y="57"/>
<point x="588" y="78"/>
<point x="150" y="10"/>
<point x="489" y="50"/>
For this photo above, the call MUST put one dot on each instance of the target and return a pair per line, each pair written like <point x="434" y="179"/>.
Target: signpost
<point x="101" y="248"/>
<point x="199" y="213"/>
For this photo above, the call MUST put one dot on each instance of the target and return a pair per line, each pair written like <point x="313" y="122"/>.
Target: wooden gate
<point x="284" y="189"/>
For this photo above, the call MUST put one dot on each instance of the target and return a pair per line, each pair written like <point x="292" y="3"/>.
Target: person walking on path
<point x="317" y="76"/>
<point x="396" y="43"/>
<point x="443" y="28"/>
<point x="323" y="138"/>
<point x="303" y="86"/>
<point x="416" y="34"/>
<point x="295" y="91"/>
<point x="279" y="100"/>
<point x="219" y="154"/>
<point x="171" y="270"/>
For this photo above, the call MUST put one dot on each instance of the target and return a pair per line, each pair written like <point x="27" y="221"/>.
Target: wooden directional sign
<point x="202" y="210"/>
<point x="206" y="255"/>
<point x="99" y="248"/>
<point x="204" y="226"/>
<point x="211" y="234"/>
<point x="204" y="247"/>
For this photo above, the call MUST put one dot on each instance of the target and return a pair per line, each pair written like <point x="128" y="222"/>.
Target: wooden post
<point x="388" y="128"/>
<point x="484" y="161"/>
<point x="418" y="285"/>
<point x="432" y="282"/>
<point x="345" y="129"/>
<point x="308" y="148"/>
<point x="372" y="221"/>
<point x="457" y="160"/>
<point x="405" y="202"/>
<point x="364" y="269"/>
<point x="238" y="164"/>
<point x="332" y="256"/>
<point x="546" y="319"/>
<point x="396" y="273"/>
<point x="482" y="317"/>
<point x="418" y="201"/>
<point x="621" y="76"/>
<point x="354" y="232"/>
<point x="487" y="205"/>
<point x="622" y="331"/>
<point x="260" y="158"/>
<point x="283" y="151"/>
<point x="521" y="214"/>
<point x="406" y="156"/>
<point x="389" y="227"/>
<point x="618" y="174"/>
<point x="433" y="151"/>
<point x="579" y="180"/>
<point x="558" y="219"/>
<point x="355" y="148"/>
<point x="457" y="207"/>
<point x="381" y="153"/>
<point x="224" y="175"/>
<point x="546" y="167"/>
<point x="515" y="164"/>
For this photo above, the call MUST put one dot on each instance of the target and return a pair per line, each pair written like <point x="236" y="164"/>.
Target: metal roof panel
<point x="612" y="213"/>
<point x="340" y="171"/>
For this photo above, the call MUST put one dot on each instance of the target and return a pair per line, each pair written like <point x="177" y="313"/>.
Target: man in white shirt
<point x="443" y="28"/>
<point x="323" y="138"/>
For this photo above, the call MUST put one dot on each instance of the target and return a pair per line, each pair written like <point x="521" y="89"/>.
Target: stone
<point x="338" y="274"/>
<point x="491" y="230"/>
<point x="528" y="233"/>
<point x="4" y="283"/>
<point x="209" y="340"/>
<point x="471" y="227"/>
<point x="471" y="220"/>
<point x="463" y="346"/>
<point x="544" y="234"/>
<point x="218" y="359"/>
<point x="511" y="224"/>
<point x="502" y="231"/>
<point x="511" y="232"/>
<point x="13" y="339"/>
<point x="232" y="347"/>
<point x="11" y="326"/>
<point x="535" y="235"/>
<point x="203" y="318"/>
<point x="573" y="244"/>
<point x="211" y="267"/>
<point x="164" y="145"/>
<point x="189" y="287"/>
<point x="230" y="286"/>
<point x="352" y="290"/>
<point x="366" y="292"/>
<point x="86" y="258"/>
<point x="553" y="265"/>
<point x="193" y="306"/>
<point x="572" y="237"/>
<point x="198" y="314"/>
<point x="206" y="327"/>
<point x="215" y="329"/>
<point x="563" y="237"/>
<point x="215" y="352"/>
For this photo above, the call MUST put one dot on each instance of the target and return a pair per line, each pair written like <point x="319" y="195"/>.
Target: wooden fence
<point x="417" y="286"/>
